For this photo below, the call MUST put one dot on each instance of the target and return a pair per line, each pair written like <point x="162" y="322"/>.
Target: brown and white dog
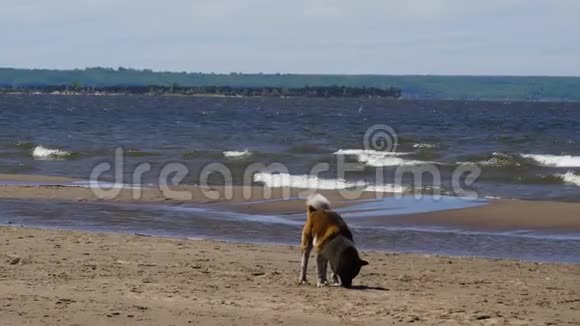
<point x="328" y="234"/>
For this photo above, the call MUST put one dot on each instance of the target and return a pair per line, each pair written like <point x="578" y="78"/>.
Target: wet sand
<point x="499" y="215"/>
<point x="50" y="277"/>
<point x="502" y="215"/>
<point x="57" y="188"/>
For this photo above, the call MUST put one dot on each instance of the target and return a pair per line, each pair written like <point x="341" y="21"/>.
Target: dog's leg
<point x="335" y="279"/>
<point x="304" y="264"/>
<point x="321" y="265"/>
<point x="306" y="244"/>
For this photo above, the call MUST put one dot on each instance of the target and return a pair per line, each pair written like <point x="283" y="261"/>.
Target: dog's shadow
<point x="365" y="287"/>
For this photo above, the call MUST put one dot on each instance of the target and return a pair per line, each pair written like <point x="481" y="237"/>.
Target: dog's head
<point x="348" y="266"/>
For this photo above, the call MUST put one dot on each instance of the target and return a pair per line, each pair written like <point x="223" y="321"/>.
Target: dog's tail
<point x="317" y="202"/>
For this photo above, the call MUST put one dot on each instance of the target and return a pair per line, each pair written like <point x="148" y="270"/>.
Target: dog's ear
<point x="363" y="262"/>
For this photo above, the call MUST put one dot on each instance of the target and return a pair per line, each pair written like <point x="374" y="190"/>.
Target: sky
<point x="444" y="37"/>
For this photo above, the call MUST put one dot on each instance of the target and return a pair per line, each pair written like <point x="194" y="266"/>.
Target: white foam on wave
<point x="387" y="188"/>
<point x="237" y="154"/>
<point x="571" y="178"/>
<point x="380" y="161"/>
<point x="356" y="152"/>
<point x="378" y="158"/>
<point x="277" y="180"/>
<point x="41" y="152"/>
<point x="564" y="161"/>
<point x="280" y="180"/>
<point x="424" y="145"/>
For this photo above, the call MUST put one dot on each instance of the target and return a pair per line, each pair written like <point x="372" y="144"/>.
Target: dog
<point x="332" y="240"/>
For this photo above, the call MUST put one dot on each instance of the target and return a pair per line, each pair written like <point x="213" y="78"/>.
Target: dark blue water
<point x="299" y="133"/>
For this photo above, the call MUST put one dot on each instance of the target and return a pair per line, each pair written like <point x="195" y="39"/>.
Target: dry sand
<point x="50" y="277"/>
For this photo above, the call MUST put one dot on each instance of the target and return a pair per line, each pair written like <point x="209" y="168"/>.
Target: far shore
<point x="333" y="91"/>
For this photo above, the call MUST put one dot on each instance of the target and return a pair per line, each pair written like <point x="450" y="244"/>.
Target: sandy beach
<point x="50" y="277"/>
<point x="57" y="277"/>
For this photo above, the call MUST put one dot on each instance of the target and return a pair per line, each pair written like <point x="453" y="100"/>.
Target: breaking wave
<point x="279" y="180"/>
<point x="355" y="152"/>
<point x="378" y="158"/>
<point x="43" y="153"/>
<point x="425" y="146"/>
<point x="237" y="154"/>
<point x="562" y="161"/>
<point x="571" y="178"/>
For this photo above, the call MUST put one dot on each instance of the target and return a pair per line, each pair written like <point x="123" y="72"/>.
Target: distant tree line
<point x="496" y="88"/>
<point x="308" y="91"/>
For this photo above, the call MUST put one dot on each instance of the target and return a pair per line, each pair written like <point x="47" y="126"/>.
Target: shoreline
<point x="69" y="277"/>
<point x="499" y="215"/>
<point x="451" y="226"/>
